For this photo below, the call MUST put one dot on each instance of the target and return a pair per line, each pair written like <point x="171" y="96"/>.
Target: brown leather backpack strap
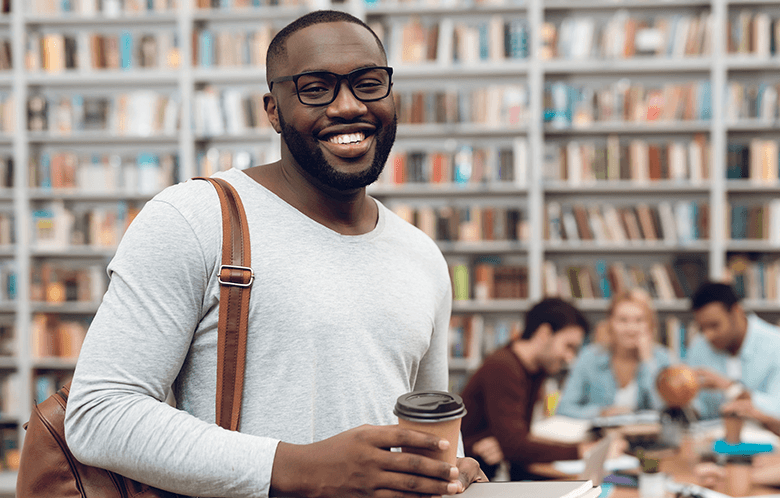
<point x="235" y="278"/>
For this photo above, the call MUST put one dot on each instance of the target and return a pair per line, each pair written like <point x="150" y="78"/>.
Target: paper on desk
<point x="562" y="429"/>
<point x="623" y="462"/>
<point x="752" y="432"/>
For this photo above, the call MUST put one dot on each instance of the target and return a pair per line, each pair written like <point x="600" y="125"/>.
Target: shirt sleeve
<point x="506" y="410"/>
<point x="139" y="338"/>
<point x="575" y="400"/>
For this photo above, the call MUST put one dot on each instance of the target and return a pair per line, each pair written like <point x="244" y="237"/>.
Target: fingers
<point x="392" y="436"/>
<point x="414" y="476"/>
<point x="469" y="472"/>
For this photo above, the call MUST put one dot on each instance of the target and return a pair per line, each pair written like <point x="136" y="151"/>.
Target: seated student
<point x="736" y="355"/>
<point x="501" y="394"/>
<point x="616" y="373"/>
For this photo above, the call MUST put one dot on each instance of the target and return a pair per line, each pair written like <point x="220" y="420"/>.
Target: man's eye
<point x="367" y="85"/>
<point x="313" y="89"/>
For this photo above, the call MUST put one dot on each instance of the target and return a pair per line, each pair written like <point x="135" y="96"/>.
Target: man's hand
<point x="469" y="472"/>
<point x="488" y="450"/>
<point x="358" y="462"/>
<point x="711" y="380"/>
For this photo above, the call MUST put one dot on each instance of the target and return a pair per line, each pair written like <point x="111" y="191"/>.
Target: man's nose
<point x="346" y="104"/>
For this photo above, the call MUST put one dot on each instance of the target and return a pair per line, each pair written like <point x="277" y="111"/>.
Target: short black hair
<point x="714" y="292"/>
<point x="277" y="49"/>
<point x="556" y="312"/>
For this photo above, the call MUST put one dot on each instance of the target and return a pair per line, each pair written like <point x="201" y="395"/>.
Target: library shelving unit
<point x="645" y="140"/>
<point x="549" y="146"/>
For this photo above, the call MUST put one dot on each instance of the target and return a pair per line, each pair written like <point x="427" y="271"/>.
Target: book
<point x="532" y="489"/>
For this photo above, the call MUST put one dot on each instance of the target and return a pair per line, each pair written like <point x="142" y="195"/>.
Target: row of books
<point x="7" y="113"/>
<point x="493" y="105"/>
<point x="447" y="41"/>
<point x="8" y="281"/>
<point x="140" y="173"/>
<point x="137" y="113"/>
<point x="7" y="228"/>
<point x="243" y="4"/>
<point x="230" y="111"/>
<point x="230" y="47"/>
<point x="488" y="278"/>
<point x="626" y="35"/>
<point x="579" y="106"/>
<point x="6" y="59"/>
<point x="6" y="171"/>
<point x="758" y="160"/>
<point x="750" y="221"/>
<point x="107" y="8"/>
<point x="467" y="164"/>
<point x="86" y="51"/>
<point x="466" y="223"/>
<point x="10" y="455"/>
<point x="67" y="281"/>
<point x="55" y="337"/>
<point x="7" y="340"/>
<point x="755" y="279"/>
<point x="753" y="32"/>
<point x="49" y="382"/>
<point x="215" y="159"/>
<point x="751" y="100"/>
<point x="664" y="281"/>
<point x="56" y="226"/>
<point x="673" y="223"/>
<point x="580" y="162"/>
<point x="9" y="397"/>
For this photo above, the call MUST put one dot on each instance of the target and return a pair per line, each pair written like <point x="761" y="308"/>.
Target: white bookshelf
<point x="531" y="196"/>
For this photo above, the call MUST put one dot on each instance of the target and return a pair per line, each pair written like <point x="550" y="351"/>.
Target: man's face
<point x="343" y="145"/>
<point x="562" y="347"/>
<point x="719" y="325"/>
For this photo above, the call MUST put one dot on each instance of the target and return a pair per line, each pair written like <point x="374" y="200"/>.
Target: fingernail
<point x="444" y="444"/>
<point x="454" y="473"/>
<point x="453" y="487"/>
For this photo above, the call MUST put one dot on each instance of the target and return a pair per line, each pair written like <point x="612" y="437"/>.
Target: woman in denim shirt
<point x="616" y="373"/>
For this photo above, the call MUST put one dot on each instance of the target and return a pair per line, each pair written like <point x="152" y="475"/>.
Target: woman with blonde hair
<point x="616" y="373"/>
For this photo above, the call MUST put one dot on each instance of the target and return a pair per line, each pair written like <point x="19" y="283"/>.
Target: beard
<point x="311" y="159"/>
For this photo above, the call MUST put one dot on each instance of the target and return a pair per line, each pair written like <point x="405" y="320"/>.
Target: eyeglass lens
<point x="367" y="85"/>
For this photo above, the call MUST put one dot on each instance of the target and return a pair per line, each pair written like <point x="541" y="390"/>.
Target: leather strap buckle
<point x="236" y="276"/>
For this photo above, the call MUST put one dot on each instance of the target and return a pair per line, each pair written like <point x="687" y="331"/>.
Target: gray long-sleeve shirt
<point x="339" y="327"/>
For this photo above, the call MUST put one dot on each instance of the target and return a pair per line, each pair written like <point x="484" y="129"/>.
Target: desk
<point x="679" y="466"/>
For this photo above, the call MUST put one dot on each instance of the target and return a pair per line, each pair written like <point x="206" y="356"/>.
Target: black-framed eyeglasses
<point x="367" y="84"/>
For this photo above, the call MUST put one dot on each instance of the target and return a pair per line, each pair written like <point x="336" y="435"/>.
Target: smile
<point x="347" y="138"/>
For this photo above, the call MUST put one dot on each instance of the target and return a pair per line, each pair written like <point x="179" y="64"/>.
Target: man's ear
<point x="542" y="334"/>
<point x="269" y="104"/>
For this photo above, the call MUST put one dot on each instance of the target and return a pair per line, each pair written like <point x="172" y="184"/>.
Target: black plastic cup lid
<point x="429" y="406"/>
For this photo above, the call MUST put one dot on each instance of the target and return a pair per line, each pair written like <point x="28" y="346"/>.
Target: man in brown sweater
<point x="500" y="396"/>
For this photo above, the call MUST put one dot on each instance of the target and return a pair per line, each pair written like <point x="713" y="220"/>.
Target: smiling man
<point x="350" y="307"/>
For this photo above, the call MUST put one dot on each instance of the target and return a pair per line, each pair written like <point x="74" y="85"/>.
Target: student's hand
<point x="742" y="408"/>
<point x="711" y="380"/>
<point x="488" y="450"/>
<point x="709" y="475"/>
<point x="469" y="472"/>
<point x="359" y="463"/>
<point x="645" y="346"/>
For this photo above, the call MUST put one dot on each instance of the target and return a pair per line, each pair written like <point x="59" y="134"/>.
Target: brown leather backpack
<point x="47" y="467"/>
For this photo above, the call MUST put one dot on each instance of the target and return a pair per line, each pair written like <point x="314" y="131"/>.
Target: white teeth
<point x="347" y="138"/>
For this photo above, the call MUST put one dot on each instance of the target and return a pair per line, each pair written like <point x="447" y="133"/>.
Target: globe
<point x="677" y="385"/>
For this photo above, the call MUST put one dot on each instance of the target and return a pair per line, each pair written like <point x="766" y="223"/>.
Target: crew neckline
<point x="250" y="183"/>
